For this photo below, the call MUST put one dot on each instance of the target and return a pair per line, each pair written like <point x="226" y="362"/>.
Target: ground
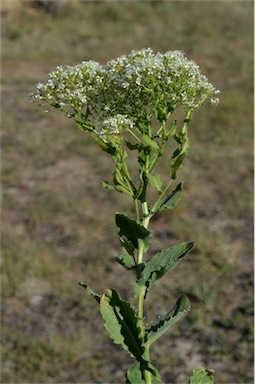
<point x="58" y="223"/>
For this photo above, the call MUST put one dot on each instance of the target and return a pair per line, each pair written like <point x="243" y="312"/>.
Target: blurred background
<point x="58" y="223"/>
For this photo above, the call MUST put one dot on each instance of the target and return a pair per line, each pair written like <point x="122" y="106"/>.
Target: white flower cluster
<point x="114" y="126"/>
<point x="70" y="88"/>
<point x="138" y="85"/>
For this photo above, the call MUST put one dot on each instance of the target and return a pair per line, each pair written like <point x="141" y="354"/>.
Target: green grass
<point x="58" y="223"/>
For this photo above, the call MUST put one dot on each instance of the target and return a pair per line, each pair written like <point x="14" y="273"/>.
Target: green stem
<point x="140" y="252"/>
<point x="145" y="209"/>
<point x="147" y="374"/>
<point x="137" y="210"/>
<point x="146" y="219"/>
<point x="134" y="135"/>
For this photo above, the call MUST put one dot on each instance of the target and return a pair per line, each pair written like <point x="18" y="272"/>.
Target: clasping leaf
<point x="132" y="231"/>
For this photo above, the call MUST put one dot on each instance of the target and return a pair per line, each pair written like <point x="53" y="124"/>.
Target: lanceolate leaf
<point x="132" y="231"/>
<point x="202" y="376"/>
<point x="91" y="292"/>
<point x="171" y="201"/>
<point x="121" y="323"/>
<point x="161" y="264"/>
<point x="161" y="325"/>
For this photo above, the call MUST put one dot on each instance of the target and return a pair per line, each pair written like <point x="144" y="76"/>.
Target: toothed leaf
<point x="171" y="201"/>
<point x="202" y="376"/>
<point x="91" y="292"/>
<point x="155" y="330"/>
<point x="126" y="261"/>
<point x="121" y="323"/>
<point x="161" y="264"/>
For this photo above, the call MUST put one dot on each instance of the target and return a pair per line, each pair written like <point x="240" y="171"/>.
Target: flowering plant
<point x="128" y="106"/>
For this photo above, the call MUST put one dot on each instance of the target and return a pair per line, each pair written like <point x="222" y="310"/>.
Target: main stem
<point x="146" y="220"/>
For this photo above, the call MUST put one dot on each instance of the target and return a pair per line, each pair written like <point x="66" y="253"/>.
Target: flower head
<point x="134" y="86"/>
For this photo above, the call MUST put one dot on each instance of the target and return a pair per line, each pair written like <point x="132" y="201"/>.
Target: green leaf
<point x="127" y="246"/>
<point x="134" y="375"/>
<point x="178" y="138"/>
<point x="180" y="153"/>
<point x="91" y="292"/>
<point x="120" y="186"/>
<point x="155" y="330"/>
<point x="150" y="142"/>
<point x="141" y="191"/>
<point x="132" y="231"/>
<point x="153" y="155"/>
<point x="126" y="260"/>
<point x="172" y="129"/>
<point x="202" y="376"/>
<point x="171" y="201"/>
<point x="133" y="147"/>
<point x="155" y="181"/>
<point x="121" y="323"/>
<point x="122" y="189"/>
<point x="176" y="161"/>
<point x="161" y="114"/>
<point x="161" y="264"/>
<point x="107" y="185"/>
<point x="142" y="157"/>
<point x="83" y="124"/>
<point x="156" y="380"/>
<point x="110" y="147"/>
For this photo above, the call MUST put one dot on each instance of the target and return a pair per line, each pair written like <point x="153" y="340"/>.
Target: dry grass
<point x="58" y="224"/>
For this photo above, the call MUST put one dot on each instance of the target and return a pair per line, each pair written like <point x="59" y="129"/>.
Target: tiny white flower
<point x="169" y="77"/>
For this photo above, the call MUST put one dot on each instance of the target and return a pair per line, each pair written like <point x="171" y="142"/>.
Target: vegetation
<point x="51" y="331"/>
